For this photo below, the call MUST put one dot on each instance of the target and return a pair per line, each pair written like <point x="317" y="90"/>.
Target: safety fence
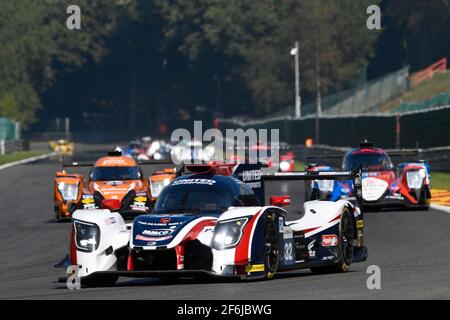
<point x="10" y="136"/>
<point x="425" y="129"/>
<point x="11" y="146"/>
<point x="428" y="73"/>
<point x="371" y="96"/>
<point x="364" y="98"/>
<point x="9" y="130"/>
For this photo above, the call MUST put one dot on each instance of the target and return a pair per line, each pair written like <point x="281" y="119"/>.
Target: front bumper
<point x="170" y="274"/>
<point x="392" y="202"/>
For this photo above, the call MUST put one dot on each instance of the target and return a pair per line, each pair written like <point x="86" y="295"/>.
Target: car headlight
<point x="69" y="192"/>
<point x="227" y="234"/>
<point x="87" y="236"/>
<point x="285" y="165"/>
<point x="415" y="178"/>
<point x="157" y="186"/>
<point x="325" y="185"/>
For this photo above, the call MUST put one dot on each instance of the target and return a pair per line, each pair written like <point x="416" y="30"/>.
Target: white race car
<point x="210" y="222"/>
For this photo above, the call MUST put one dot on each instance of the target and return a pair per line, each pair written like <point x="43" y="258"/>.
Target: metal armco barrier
<point x="419" y="77"/>
<point x="10" y="146"/>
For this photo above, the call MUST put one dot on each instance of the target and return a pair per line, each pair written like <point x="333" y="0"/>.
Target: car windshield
<point x="367" y="161"/>
<point x="195" y="199"/>
<point x="115" y="173"/>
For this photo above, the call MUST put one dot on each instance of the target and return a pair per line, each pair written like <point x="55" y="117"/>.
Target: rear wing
<point x="355" y="177"/>
<point x="314" y="160"/>
<point x="324" y="156"/>
<point x="79" y="164"/>
<point x="402" y="153"/>
<point x="279" y="146"/>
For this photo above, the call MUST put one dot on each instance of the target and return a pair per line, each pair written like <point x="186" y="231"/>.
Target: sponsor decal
<point x="110" y="221"/>
<point x="311" y="252"/>
<point x="139" y="206"/>
<point x="254" y="185"/>
<point x="280" y="224"/>
<point x="288" y="233"/>
<point x="327" y="173"/>
<point x="330" y="240"/>
<point x="254" y="268"/>
<point x="157" y="233"/>
<point x="144" y="238"/>
<point x="140" y="199"/>
<point x="114" y="162"/>
<point x="208" y="182"/>
<point x="87" y="201"/>
<point x="208" y="229"/>
<point x="160" y="224"/>
<point x="396" y="196"/>
<point x="329" y="258"/>
<point x="251" y="175"/>
<point x="165" y="220"/>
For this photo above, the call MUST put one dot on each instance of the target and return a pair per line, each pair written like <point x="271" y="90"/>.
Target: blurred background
<point x="147" y="67"/>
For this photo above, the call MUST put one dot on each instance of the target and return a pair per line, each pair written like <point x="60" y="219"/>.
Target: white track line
<point x="440" y="208"/>
<point x="25" y="161"/>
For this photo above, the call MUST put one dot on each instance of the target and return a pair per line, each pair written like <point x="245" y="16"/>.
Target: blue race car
<point x="382" y="185"/>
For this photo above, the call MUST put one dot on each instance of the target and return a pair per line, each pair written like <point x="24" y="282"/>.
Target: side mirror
<point x="280" y="201"/>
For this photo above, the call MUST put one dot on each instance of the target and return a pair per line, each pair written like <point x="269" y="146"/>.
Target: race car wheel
<point x="103" y="280"/>
<point x="271" y="247"/>
<point x="346" y="238"/>
<point x="345" y="249"/>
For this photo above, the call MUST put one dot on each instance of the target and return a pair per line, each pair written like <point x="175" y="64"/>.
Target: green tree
<point x="36" y="46"/>
<point x="423" y="27"/>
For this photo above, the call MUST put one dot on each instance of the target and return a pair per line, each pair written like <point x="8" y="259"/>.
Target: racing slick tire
<point x="345" y="249"/>
<point x="271" y="247"/>
<point x="101" y="280"/>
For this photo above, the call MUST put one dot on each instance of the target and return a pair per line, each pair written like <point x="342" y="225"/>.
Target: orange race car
<point x="115" y="182"/>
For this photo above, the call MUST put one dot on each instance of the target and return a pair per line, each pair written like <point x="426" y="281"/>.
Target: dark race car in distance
<point x="383" y="186"/>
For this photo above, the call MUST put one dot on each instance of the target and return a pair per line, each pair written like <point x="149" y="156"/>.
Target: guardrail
<point x="429" y="72"/>
<point x="11" y="146"/>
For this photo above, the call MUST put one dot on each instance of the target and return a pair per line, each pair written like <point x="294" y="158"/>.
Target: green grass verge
<point x="299" y="166"/>
<point x="17" y="156"/>
<point x="440" y="83"/>
<point x="440" y="180"/>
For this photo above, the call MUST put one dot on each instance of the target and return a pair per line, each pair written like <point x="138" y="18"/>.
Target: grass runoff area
<point x="440" y="83"/>
<point x="439" y="180"/>
<point x="17" y="156"/>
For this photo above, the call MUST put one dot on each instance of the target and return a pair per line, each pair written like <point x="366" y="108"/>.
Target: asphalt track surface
<point x="411" y="248"/>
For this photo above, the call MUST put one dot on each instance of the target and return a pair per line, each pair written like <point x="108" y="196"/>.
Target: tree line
<point x="165" y="58"/>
